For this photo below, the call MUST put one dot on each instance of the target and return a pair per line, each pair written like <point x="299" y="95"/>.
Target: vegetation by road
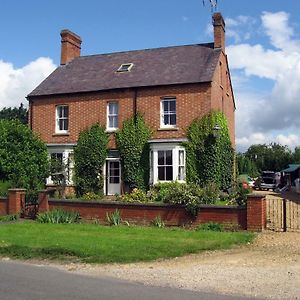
<point x="102" y="244"/>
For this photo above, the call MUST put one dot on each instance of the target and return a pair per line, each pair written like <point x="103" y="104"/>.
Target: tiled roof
<point x="151" y="67"/>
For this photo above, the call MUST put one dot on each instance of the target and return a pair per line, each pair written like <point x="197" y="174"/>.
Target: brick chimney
<point x="70" y="46"/>
<point x="219" y="31"/>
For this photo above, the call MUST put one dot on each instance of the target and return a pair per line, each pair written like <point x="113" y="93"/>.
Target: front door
<point x="113" y="177"/>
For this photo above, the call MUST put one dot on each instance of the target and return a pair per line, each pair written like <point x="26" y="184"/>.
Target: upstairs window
<point x="112" y="115"/>
<point x="168" y="112"/>
<point x="125" y="68"/>
<point x="62" y="119"/>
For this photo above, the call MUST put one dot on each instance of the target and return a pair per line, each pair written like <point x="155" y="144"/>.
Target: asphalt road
<point x="24" y="281"/>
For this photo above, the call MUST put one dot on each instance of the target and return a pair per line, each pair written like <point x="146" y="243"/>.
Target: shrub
<point x="137" y="195"/>
<point x="58" y="216"/>
<point x="89" y="196"/>
<point x="211" y="226"/>
<point x="132" y="142"/>
<point x="23" y="156"/>
<point x="89" y="156"/>
<point x="4" y="187"/>
<point x="238" y="194"/>
<point x="158" y="222"/>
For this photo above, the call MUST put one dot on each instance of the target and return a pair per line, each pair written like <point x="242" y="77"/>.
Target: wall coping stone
<point x="256" y="195"/>
<point x="135" y="204"/>
<point x="3" y="198"/>
<point x="16" y="190"/>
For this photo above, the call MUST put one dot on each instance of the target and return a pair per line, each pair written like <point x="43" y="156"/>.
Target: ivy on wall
<point x="132" y="142"/>
<point x="89" y="155"/>
<point x="209" y="158"/>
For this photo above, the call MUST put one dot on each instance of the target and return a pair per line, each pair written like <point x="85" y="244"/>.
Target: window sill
<point x="111" y="130"/>
<point x="168" y="129"/>
<point x="61" y="134"/>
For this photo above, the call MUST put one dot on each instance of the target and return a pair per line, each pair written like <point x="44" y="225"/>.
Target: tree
<point x="296" y="156"/>
<point x="89" y="156"/>
<point x="23" y="156"/>
<point x="17" y="113"/>
<point x="245" y="165"/>
<point x="272" y="157"/>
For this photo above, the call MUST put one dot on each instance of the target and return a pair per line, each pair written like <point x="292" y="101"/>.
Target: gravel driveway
<point x="268" y="268"/>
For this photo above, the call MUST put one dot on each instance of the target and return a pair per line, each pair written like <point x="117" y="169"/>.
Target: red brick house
<point x="171" y="86"/>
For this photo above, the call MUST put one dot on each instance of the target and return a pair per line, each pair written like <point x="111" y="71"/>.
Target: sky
<point x="262" y="44"/>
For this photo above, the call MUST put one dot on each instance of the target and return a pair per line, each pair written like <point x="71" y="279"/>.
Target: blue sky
<point x="263" y="46"/>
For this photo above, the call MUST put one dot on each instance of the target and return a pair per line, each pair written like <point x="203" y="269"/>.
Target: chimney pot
<point x="219" y="31"/>
<point x="70" y="46"/>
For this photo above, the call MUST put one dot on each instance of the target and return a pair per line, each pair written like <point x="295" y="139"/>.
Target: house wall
<point x="222" y="98"/>
<point x="86" y="109"/>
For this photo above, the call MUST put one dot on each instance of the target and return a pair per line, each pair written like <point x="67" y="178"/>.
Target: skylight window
<point x="125" y="68"/>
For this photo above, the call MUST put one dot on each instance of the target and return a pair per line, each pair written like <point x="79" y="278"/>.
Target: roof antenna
<point x="213" y="4"/>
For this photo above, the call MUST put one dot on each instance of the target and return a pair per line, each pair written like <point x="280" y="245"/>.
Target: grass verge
<point x="102" y="244"/>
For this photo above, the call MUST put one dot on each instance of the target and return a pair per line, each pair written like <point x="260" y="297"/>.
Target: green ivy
<point x="209" y="158"/>
<point x="89" y="155"/>
<point x="132" y="142"/>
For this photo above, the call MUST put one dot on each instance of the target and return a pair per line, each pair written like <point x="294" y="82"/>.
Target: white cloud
<point x="16" y="83"/>
<point x="260" y="115"/>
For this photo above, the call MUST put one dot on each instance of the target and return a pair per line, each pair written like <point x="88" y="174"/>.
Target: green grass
<point x="102" y="244"/>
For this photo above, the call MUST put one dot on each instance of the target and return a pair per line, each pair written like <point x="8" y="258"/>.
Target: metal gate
<point x="283" y="214"/>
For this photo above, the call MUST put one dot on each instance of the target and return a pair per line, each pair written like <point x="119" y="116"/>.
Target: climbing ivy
<point x="132" y="142"/>
<point x="89" y="155"/>
<point x="209" y="158"/>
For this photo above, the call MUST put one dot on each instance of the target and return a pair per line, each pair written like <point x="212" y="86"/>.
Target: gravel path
<point x="269" y="268"/>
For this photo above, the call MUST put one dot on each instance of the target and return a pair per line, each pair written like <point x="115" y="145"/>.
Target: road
<point x="25" y="281"/>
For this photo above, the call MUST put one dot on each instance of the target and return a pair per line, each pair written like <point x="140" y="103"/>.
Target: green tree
<point x="272" y="157"/>
<point x="296" y="156"/>
<point x="23" y="156"/>
<point x="132" y="142"/>
<point x="209" y="157"/>
<point x="89" y="156"/>
<point x="16" y="113"/>
<point x="245" y="165"/>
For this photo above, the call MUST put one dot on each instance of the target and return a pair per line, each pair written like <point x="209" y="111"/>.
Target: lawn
<point x="102" y="244"/>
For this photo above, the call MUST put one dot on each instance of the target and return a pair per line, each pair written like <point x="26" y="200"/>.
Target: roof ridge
<point x="207" y="45"/>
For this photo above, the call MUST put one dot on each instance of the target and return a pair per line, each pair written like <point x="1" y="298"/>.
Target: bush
<point x="132" y="142"/>
<point x="190" y="195"/>
<point x="23" y="156"/>
<point x="90" y="196"/>
<point x="58" y="216"/>
<point x="238" y="194"/>
<point x="4" y="187"/>
<point x="211" y="226"/>
<point x="89" y="155"/>
<point x="137" y="195"/>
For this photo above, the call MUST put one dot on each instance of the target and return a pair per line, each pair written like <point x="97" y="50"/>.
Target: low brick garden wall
<point x="252" y="217"/>
<point x="139" y="213"/>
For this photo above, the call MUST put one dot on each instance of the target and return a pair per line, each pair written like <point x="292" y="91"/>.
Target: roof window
<point x="125" y="67"/>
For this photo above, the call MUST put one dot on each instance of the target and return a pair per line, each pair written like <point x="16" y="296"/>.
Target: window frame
<point x="115" y="115"/>
<point x="175" y="148"/>
<point x="63" y="118"/>
<point x="169" y="113"/>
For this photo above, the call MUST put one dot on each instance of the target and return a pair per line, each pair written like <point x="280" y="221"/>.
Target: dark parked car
<point x="266" y="181"/>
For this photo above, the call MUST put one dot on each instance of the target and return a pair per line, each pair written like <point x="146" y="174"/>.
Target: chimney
<point x="219" y="31"/>
<point x="70" y="46"/>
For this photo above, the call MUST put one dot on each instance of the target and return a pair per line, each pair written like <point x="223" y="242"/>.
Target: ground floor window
<point x="167" y="162"/>
<point x="62" y="161"/>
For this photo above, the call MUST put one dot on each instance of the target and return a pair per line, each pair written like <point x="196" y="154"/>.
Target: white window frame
<point x="57" y="119"/>
<point x="175" y="148"/>
<point x="67" y="160"/>
<point x="115" y="115"/>
<point x="169" y="113"/>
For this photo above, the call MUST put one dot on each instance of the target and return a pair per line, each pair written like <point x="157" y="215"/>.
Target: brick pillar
<point x="43" y="201"/>
<point x="16" y="201"/>
<point x="256" y="212"/>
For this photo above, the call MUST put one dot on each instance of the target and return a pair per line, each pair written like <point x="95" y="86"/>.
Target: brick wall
<point x="3" y="206"/>
<point x="86" y="109"/>
<point x="172" y="215"/>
